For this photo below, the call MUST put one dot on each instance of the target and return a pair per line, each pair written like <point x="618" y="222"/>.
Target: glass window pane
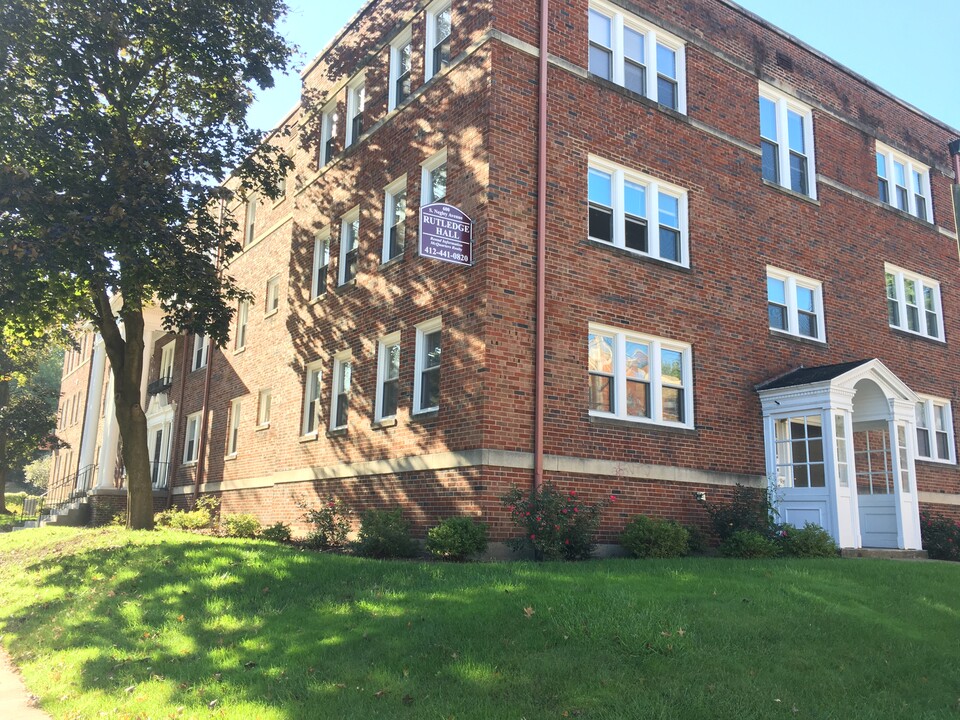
<point x="899" y="173"/>
<point x="601" y="354"/>
<point x="817" y="476"/>
<point x="393" y="362"/>
<point x="600" y="29"/>
<point x="923" y="442"/>
<point x="805" y="299"/>
<point x="635" y="234"/>
<point x="795" y="132"/>
<point x="638" y="361"/>
<point x="634" y="77"/>
<point x="635" y="199"/>
<point x="638" y="399"/>
<point x="666" y="62"/>
<point x="601" y="397"/>
<point x="940" y="417"/>
<point x="798" y="173"/>
<point x="669" y="210"/>
<point x="776" y="291"/>
<point x="881" y="165"/>
<point x="777" y="316"/>
<point x="667" y="92"/>
<point x="768" y="119"/>
<point x="770" y="161"/>
<point x="601" y="62"/>
<point x="438" y="180"/>
<point x="601" y="224"/>
<point x="633" y="45"/>
<point x="671" y="367"/>
<point x="673" y="404"/>
<point x="670" y="244"/>
<point x="431" y="344"/>
<point x="600" y="188"/>
<point x="883" y="190"/>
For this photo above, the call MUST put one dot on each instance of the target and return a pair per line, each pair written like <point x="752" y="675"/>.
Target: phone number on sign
<point x="446" y="254"/>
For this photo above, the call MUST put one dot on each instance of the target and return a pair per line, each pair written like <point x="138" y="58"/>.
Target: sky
<point x="911" y="49"/>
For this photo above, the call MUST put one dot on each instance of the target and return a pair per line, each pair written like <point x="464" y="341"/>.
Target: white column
<point x="111" y="436"/>
<point x="91" y="419"/>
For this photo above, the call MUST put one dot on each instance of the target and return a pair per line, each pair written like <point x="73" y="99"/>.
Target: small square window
<point x="264" y="401"/>
<point x="233" y="434"/>
<point x="935" y="430"/>
<point x="328" y="134"/>
<point x="426" y="389"/>
<point x="349" y="245"/>
<point x="401" y="62"/>
<point x="786" y="142"/>
<point x="243" y="316"/>
<point x="438" y="33"/>
<point x="388" y="377"/>
<point x="201" y="348"/>
<point x="795" y="304"/>
<point x="342" y="379"/>
<point x="913" y="303"/>
<point x="356" y="103"/>
<point x="394" y="219"/>
<point x="433" y="185"/>
<point x="191" y="445"/>
<point x="311" y="399"/>
<point x="272" y="296"/>
<point x="903" y="182"/>
<point x="321" y="261"/>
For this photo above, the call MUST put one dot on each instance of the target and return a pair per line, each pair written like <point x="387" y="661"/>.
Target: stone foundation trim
<point x="932" y="498"/>
<point x="486" y="458"/>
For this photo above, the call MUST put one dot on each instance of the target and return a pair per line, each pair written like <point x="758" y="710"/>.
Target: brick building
<point x="749" y="276"/>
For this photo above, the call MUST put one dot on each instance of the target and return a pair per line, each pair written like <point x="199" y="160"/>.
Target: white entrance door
<point x="876" y="490"/>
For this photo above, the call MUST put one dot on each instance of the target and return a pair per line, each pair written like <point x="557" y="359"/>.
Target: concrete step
<point x="884" y="553"/>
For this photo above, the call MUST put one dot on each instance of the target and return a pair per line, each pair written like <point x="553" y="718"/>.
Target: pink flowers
<point x="613" y="498"/>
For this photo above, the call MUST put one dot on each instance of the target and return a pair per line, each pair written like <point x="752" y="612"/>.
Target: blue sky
<point x="911" y="49"/>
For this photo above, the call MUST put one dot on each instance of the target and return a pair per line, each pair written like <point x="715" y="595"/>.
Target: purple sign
<point x="446" y="234"/>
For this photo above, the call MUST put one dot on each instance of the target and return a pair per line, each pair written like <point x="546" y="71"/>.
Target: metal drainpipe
<point x="955" y="153"/>
<point x="205" y="409"/>
<point x="541" y="246"/>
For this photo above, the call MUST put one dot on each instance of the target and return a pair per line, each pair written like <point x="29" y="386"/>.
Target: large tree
<point x="119" y="122"/>
<point x="29" y="388"/>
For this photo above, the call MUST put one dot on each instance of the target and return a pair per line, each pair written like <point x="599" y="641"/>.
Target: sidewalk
<point x="15" y="702"/>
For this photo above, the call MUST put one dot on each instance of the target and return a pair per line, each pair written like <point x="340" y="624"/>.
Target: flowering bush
<point x="556" y="525"/>
<point x="749" y="509"/>
<point x="331" y="524"/>
<point x="941" y="537"/>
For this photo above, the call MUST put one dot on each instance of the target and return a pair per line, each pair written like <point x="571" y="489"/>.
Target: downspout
<point x="541" y="247"/>
<point x="176" y="449"/>
<point x="205" y="409"/>
<point x="955" y="153"/>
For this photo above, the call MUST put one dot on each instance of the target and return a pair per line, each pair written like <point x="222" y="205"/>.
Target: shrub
<point x="331" y="524"/>
<point x="697" y="540"/>
<point x="278" y="532"/>
<point x="242" y="525"/>
<point x="749" y="544"/>
<point x="941" y="537"/>
<point x="457" y="538"/>
<point x="647" y="537"/>
<point x="555" y="525"/>
<point x="749" y="509"/>
<point x="810" y="541"/>
<point x="197" y="519"/>
<point x="385" y="534"/>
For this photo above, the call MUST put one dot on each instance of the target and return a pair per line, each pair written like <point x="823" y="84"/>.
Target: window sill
<point x="259" y="428"/>
<point x="239" y="350"/>
<point x="189" y="464"/>
<point x="916" y="336"/>
<point x="634" y="95"/>
<point x="935" y="461"/>
<point x="907" y="216"/>
<point x="391" y="262"/>
<point x="643" y="425"/>
<point x="774" y="332"/>
<point x="202" y="367"/>
<point x="633" y="254"/>
<point x="425" y="416"/>
<point x="384" y="423"/>
<point x="788" y="191"/>
<point x="309" y="437"/>
<point x="352" y="282"/>
<point x="271" y="313"/>
<point x="337" y="432"/>
<point x="228" y="458"/>
<point x="318" y="298"/>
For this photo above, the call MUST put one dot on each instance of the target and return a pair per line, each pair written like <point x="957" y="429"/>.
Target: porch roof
<point x="809" y="376"/>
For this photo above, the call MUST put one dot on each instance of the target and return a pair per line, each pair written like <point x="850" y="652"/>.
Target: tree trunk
<point x="3" y="491"/>
<point x="126" y="363"/>
<point x="4" y="399"/>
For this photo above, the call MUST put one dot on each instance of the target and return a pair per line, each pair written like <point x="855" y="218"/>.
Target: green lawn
<point x="111" y="624"/>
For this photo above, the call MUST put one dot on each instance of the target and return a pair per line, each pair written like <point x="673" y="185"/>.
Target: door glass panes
<point x="667" y="77"/>
<point x="634" y="72"/>
<point x="635" y="213"/>
<point x="903" y="457"/>
<point x="843" y="467"/>
<point x="768" y="140"/>
<point x="600" y="354"/>
<point x="600" y="190"/>
<point x="798" y="159"/>
<point x="638" y="379"/>
<point x="601" y="44"/>
<point x="671" y="374"/>
<point x="777" y="303"/>
<point x="799" y="452"/>
<point x="669" y="227"/>
<point x="806" y="312"/>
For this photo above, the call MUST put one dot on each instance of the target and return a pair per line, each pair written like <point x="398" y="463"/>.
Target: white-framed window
<point x="438" y="31"/>
<point x="166" y="361"/>
<point x="639" y="377"/>
<point x="637" y="212"/>
<point x="639" y="56"/>
<point x="401" y="57"/>
<point x="935" y="430"/>
<point x="311" y="399"/>
<point x="281" y="188"/>
<point x="201" y="348"/>
<point x="243" y="316"/>
<point x="250" y="220"/>
<point x="795" y="304"/>
<point x="340" y="400"/>
<point x="191" y="443"/>
<point x="356" y="101"/>
<point x="786" y="142"/>
<point x="799" y="452"/>
<point x="328" y="134"/>
<point x="349" y="245"/>
<point x="913" y="302"/>
<point x="264" y="401"/>
<point x="903" y="183"/>
<point x="233" y="434"/>
<point x="321" y="261"/>
<point x="433" y="180"/>
<point x="272" y="296"/>
<point x="394" y="218"/>
<point x="388" y="376"/>
<point x="426" y="377"/>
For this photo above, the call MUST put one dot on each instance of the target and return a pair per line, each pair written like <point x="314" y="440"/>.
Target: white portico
<point x="840" y="444"/>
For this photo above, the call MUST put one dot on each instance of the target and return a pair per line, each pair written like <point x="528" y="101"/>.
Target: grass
<point x="111" y="624"/>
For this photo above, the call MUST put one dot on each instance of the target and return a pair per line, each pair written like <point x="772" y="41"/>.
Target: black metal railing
<point x="160" y="385"/>
<point x="69" y="489"/>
